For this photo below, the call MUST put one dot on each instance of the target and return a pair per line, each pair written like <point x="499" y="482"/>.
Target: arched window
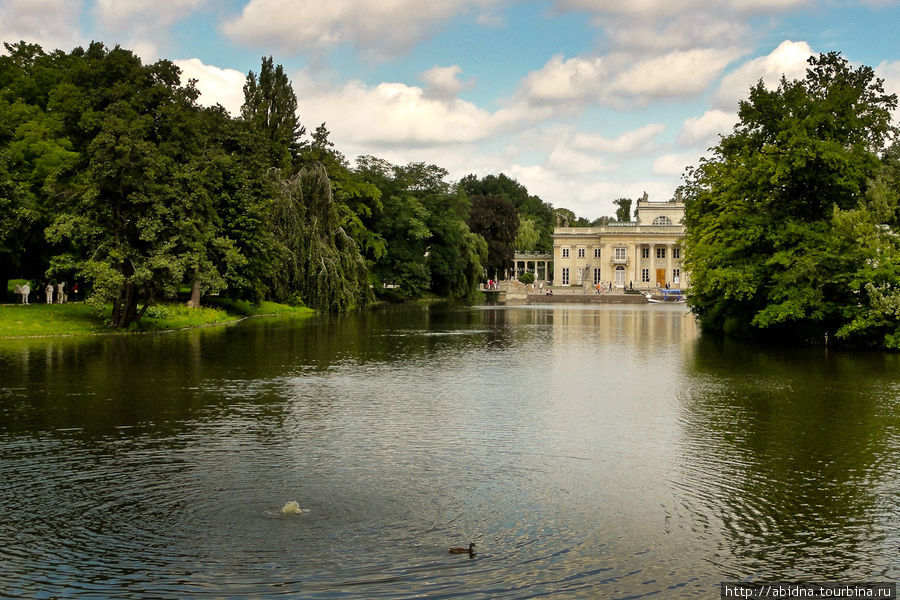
<point x="662" y="221"/>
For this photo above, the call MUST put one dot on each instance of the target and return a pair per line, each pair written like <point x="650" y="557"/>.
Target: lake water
<point x="588" y="451"/>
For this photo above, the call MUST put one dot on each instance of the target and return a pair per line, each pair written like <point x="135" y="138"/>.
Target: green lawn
<point x="80" y="319"/>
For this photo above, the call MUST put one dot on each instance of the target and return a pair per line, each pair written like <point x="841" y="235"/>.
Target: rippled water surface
<point x="602" y="451"/>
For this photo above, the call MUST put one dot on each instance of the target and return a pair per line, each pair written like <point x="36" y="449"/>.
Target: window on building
<point x="645" y="252"/>
<point x="596" y="276"/>
<point x="676" y="252"/>
<point x="662" y="221"/>
<point x="645" y="275"/>
<point x="596" y="252"/>
<point x="581" y="253"/>
<point x="676" y="275"/>
<point x="619" y="253"/>
<point x="660" y="253"/>
<point x="565" y="253"/>
<point x="565" y="276"/>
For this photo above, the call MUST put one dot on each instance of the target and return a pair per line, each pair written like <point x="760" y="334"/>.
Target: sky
<point x="581" y="101"/>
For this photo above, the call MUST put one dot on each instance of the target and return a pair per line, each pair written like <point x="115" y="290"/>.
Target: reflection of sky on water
<point x="596" y="450"/>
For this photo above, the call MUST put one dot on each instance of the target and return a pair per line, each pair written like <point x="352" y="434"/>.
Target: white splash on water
<point x="293" y="508"/>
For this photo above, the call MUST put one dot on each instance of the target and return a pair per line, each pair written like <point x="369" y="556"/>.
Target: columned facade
<point x="540" y="264"/>
<point x="642" y="254"/>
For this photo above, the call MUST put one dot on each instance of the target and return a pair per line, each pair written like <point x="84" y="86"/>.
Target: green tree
<point x="127" y="222"/>
<point x="270" y="110"/>
<point x="496" y="220"/>
<point x="527" y="205"/>
<point x="768" y="215"/>
<point x="37" y="159"/>
<point x="623" y="209"/>
<point x="527" y="236"/>
<point x="321" y="263"/>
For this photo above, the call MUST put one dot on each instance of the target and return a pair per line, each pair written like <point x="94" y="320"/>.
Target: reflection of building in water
<point x="639" y="326"/>
<point x="645" y="253"/>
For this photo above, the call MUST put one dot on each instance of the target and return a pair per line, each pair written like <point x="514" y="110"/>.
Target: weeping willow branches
<point x="320" y="263"/>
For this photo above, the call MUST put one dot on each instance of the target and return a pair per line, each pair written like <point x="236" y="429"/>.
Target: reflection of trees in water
<point x="790" y="451"/>
<point x="175" y="379"/>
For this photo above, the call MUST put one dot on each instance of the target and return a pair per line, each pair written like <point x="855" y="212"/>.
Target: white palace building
<point x="643" y="254"/>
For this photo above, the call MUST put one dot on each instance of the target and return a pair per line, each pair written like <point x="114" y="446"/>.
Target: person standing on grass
<point x="49" y="290"/>
<point x="25" y="290"/>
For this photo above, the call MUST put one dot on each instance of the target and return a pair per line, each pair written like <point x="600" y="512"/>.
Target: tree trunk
<point x="125" y="307"/>
<point x="194" y="302"/>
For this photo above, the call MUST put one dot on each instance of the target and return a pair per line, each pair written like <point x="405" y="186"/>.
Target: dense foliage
<point x="113" y="176"/>
<point x="793" y="222"/>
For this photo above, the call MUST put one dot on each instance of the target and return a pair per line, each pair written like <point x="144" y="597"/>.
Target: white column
<point x="669" y="263"/>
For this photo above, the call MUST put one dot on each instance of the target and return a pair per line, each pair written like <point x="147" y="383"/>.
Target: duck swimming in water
<point x="470" y="550"/>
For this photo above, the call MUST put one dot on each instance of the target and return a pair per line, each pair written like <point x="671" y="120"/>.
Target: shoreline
<point x="75" y="320"/>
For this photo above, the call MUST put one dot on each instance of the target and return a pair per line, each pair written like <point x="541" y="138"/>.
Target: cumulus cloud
<point x="679" y="73"/>
<point x="45" y="22"/>
<point x="659" y="9"/>
<point x="788" y="60"/>
<point x="617" y="81"/>
<point x="890" y="72"/>
<point x="395" y="113"/>
<point x="683" y="32"/>
<point x="444" y="83"/>
<point x="565" y="159"/>
<point x="119" y="14"/>
<point x="566" y="80"/>
<point x="674" y="164"/>
<point x="216" y="86"/>
<point x="637" y="140"/>
<point x="378" y="29"/>
<point x="706" y="128"/>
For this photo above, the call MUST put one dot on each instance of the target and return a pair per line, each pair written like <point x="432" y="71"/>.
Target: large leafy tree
<point x="772" y="215"/>
<point x="496" y="220"/>
<point x="36" y="159"/>
<point x="128" y="223"/>
<point x="529" y="207"/>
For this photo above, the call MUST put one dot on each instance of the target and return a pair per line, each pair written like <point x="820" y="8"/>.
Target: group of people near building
<point x="52" y="293"/>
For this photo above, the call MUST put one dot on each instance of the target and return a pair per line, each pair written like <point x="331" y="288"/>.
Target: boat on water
<point x="666" y="297"/>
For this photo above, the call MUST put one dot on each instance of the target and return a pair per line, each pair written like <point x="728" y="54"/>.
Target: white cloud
<point x="684" y="32"/>
<point x="216" y="86"/>
<point x="674" y="164"/>
<point x="618" y="80"/>
<point x="572" y="80"/>
<point x="637" y="140"/>
<point x="890" y="72"/>
<point x="44" y="22"/>
<point x="660" y="9"/>
<point x="679" y="73"/>
<point x="379" y="29"/>
<point x="127" y="14"/>
<point x="394" y="113"/>
<point x="788" y="59"/>
<point x="443" y="82"/>
<point x="565" y="159"/>
<point x="706" y="128"/>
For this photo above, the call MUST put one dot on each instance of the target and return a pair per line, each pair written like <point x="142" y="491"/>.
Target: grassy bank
<point x="80" y="319"/>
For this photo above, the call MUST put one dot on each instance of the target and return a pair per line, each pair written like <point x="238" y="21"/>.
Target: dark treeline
<point x="113" y="175"/>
